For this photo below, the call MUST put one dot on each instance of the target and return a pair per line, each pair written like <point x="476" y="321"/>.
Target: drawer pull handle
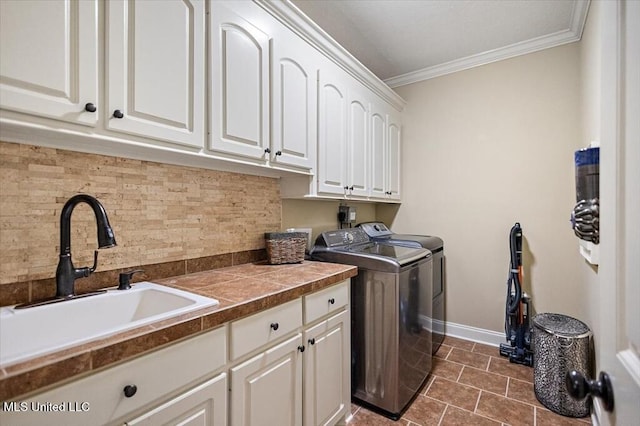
<point x="301" y="348"/>
<point x="130" y="390"/>
<point x="312" y="341"/>
<point x="332" y="301"/>
<point x="274" y="326"/>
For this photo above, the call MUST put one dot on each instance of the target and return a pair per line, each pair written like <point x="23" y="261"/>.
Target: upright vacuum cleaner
<point x="517" y="328"/>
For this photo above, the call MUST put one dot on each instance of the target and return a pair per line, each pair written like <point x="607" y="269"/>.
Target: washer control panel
<point x="375" y="229"/>
<point x="343" y="237"/>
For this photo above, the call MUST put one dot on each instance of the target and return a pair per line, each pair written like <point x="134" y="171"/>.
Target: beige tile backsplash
<point x="159" y="212"/>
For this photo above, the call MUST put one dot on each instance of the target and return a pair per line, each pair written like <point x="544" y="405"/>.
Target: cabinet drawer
<point x="257" y="330"/>
<point x="99" y="399"/>
<point x="322" y="303"/>
<point x="206" y="404"/>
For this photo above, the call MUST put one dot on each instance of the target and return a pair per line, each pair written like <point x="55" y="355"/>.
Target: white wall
<point x="590" y="66"/>
<point x="495" y="144"/>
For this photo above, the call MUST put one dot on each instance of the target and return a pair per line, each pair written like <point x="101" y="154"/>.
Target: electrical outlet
<point x="346" y="214"/>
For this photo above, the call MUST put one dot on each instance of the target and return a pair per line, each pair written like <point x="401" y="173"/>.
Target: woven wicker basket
<point x="285" y="247"/>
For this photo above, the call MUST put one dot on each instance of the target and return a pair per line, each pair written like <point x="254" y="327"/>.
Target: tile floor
<point x="471" y="384"/>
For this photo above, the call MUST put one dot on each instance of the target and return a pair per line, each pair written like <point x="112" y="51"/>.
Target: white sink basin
<point x="26" y="333"/>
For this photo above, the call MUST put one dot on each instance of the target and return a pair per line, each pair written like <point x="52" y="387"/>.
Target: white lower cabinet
<point x="205" y="404"/>
<point x="124" y="392"/>
<point x="266" y="390"/>
<point x="326" y="369"/>
<point x="288" y="366"/>
<point x="303" y="377"/>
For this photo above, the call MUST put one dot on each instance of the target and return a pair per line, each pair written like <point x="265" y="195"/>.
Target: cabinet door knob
<point x="274" y="326"/>
<point x="278" y="152"/>
<point x="301" y="348"/>
<point x="90" y="107"/>
<point x="130" y="390"/>
<point x="118" y="114"/>
<point x="579" y="387"/>
<point x="332" y="301"/>
<point x="267" y="150"/>
<point x="312" y="341"/>
<point x="351" y="188"/>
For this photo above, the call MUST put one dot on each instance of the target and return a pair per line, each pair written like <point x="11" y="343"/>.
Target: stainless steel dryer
<point x="378" y="231"/>
<point x="390" y="317"/>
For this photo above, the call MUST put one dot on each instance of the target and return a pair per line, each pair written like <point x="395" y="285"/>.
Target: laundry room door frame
<point x="619" y="272"/>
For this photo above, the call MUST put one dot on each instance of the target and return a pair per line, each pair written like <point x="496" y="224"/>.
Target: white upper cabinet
<point x="295" y="101"/>
<point x="358" y="146"/>
<point x="332" y="131"/>
<point x="263" y="91"/>
<point x="378" y="129"/>
<point x="155" y="69"/>
<point x="394" y="138"/>
<point x="239" y="89"/>
<point x="49" y="59"/>
<point x="358" y="141"/>
<point x="251" y="86"/>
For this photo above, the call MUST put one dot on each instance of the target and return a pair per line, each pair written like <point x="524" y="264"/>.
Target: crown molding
<point x="287" y="13"/>
<point x="570" y="35"/>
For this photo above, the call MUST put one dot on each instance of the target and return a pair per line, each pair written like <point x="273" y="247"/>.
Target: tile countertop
<point x="242" y="290"/>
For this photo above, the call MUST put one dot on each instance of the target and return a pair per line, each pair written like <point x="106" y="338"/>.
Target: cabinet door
<point x="394" y="140"/>
<point x="294" y="114"/>
<point x="155" y="63"/>
<point x="49" y="58"/>
<point x="266" y="390"/>
<point x="205" y="404"/>
<point x="378" y="151"/>
<point x="239" y="66"/>
<point x="332" y="131"/>
<point x="327" y="384"/>
<point x="358" y="160"/>
<point x="99" y="399"/>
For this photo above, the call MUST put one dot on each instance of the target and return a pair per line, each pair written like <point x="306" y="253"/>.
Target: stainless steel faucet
<point x="66" y="273"/>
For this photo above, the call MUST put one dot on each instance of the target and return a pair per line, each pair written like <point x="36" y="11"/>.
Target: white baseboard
<point x="467" y="332"/>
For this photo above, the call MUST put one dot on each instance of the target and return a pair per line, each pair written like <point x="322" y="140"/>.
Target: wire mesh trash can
<point x="560" y="344"/>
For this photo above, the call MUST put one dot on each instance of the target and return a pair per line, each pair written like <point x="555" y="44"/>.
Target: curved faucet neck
<point x="66" y="273"/>
<point x="101" y="219"/>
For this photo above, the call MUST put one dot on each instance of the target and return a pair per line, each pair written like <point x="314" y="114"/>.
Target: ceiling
<point x="404" y="41"/>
